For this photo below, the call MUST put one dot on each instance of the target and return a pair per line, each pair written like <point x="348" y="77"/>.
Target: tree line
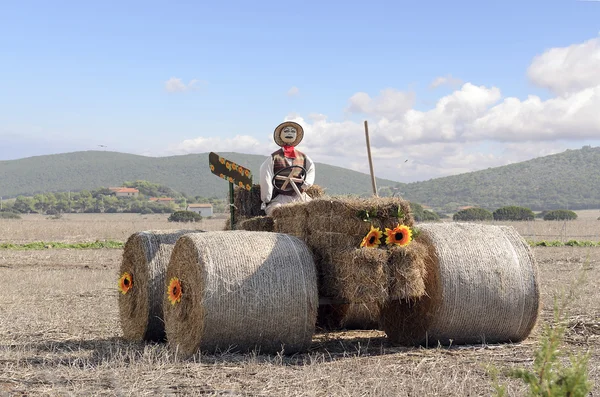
<point x="103" y="200"/>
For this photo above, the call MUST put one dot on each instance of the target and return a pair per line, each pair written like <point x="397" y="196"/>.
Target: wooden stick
<point x="370" y="160"/>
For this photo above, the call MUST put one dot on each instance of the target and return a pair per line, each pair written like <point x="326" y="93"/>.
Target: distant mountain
<point x="566" y="180"/>
<point x="188" y="174"/>
<point x="570" y="179"/>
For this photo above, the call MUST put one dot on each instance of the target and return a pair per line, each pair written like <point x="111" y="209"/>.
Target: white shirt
<point x="266" y="177"/>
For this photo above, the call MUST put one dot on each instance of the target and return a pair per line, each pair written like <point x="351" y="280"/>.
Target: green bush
<point x="421" y="215"/>
<point x="513" y="213"/>
<point x="9" y="215"/>
<point x="184" y="216"/>
<point x="560" y="215"/>
<point x="473" y="214"/>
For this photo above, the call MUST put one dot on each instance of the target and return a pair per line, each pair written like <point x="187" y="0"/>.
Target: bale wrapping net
<point x="145" y="258"/>
<point x="240" y="291"/>
<point x="481" y="287"/>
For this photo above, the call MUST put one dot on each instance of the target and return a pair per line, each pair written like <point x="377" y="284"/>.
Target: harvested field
<point x="60" y="335"/>
<point x="91" y="227"/>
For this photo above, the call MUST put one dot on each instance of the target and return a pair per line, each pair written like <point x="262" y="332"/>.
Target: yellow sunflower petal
<point x="174" y="291"/>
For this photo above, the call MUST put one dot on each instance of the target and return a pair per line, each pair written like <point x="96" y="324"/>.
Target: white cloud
<point x="390" y="103"/>
<point x="240" y="143"/>
<point x="472" y="128"/>
<point x="448" y="80"/>
<point x="567" y="70"/>
<point x="175" y="84"/>
<point x="294" y="91"/>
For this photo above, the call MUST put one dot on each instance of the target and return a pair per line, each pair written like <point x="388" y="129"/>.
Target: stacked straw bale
<point x="349" y="316"/>
<point x="242" y="291"/>
<point x="355" y="279"/>
<point x="247" y="212"/>
<point x="481" y="287"/>
<point x="146" y="256"/>
<point x="257" y="224"/>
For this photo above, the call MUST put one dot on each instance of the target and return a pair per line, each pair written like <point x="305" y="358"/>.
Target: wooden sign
<point x="230" y="171"/>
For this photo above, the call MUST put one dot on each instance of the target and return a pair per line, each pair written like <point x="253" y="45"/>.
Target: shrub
<point x="560" y="215"/>
<point x="473" y="214"/>
<point x="184" y="216"/>
<point x="146" y="210"/>
<point x="420" y="214"/>
<point x="9" y="215"/>
<point x="513" y="213"/>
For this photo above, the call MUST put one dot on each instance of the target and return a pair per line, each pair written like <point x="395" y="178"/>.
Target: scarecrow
<point x="287" y="173"/>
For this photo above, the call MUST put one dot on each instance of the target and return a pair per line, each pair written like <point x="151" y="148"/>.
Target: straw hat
<point x="280" y="127"/>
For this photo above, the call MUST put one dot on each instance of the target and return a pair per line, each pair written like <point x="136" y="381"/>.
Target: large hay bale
<point x="241" y="291"/>
<point x="292" y="219"/>
<point x="355" y="276"/>
<point x="247" y="202"/>
<point x="407" y="269"/>
<point x="257" y="224"/>
<point x="481" y="284"/>
<point x="145" y="258"/>
<point x="341" y="223"/>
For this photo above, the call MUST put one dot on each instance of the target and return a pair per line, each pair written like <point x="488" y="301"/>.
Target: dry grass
<point x="91" y="227"/>
<point x="60" y="335"/>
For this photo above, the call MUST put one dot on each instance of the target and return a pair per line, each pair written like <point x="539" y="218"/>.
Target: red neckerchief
<point x="288" y="151"/>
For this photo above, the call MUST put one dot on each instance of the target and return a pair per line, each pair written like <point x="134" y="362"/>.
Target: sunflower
<point x="221" y="160"/>
<point x="212" y="167"/>
<point x="125" y="283"/>
<point x="222" y="176"/>
<point x="241" y="184"/>
<point x="241" y="171"/>
<point x="228" y="165"/>
<point x="230" y="179"/>
<point x="373" y="238"/>
<point x="174" y="291"/>
<point x="234" y="166"/>
<point x="248" y="187"/>
<point x="400" y="235"/>
<point x="247" y="172"/>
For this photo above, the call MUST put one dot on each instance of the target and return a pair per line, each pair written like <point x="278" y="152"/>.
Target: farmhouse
<point x="203" y="209"/>
<point x="125" y="191"/>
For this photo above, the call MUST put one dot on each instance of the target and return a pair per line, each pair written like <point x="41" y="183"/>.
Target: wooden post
<point x="231" y="208"/>
<point x="370" y="160"/>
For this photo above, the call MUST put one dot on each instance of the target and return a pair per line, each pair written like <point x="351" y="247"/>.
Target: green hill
<point x="566" y="180"/>
<point x="189" y="174"/>
<point x="570" y="179"/>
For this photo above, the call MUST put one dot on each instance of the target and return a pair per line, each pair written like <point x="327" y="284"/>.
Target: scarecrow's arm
<point x="310" y="173"/>
<point x="266" y="178"/>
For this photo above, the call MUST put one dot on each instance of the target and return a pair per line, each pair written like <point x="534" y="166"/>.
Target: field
<point x="60" y="333"/>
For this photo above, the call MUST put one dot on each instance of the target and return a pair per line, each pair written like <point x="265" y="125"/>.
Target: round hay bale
<point x="241" y="291"/>
<point x="145" y="258"/>
<point x="481" y="284"/>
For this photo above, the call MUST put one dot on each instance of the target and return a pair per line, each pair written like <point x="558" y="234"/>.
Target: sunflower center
<point x="399" y="236"/>
<point x="175" y="291"/>
<point x="126" y="282"/>
<point x="372" y="240"/>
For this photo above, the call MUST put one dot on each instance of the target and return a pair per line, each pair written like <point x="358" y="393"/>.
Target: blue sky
<point x="163" y="79"/>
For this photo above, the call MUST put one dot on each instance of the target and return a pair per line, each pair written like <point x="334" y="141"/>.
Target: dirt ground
<point x="60" y="335"/>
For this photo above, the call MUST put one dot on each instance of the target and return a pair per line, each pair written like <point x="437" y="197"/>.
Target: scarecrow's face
<point x="288" y="134"/>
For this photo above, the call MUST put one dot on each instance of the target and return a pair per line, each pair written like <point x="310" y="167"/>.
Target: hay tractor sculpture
<point x="267" y="282"/>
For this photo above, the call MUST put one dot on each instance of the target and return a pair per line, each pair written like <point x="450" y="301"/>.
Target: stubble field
<point x="60" y="333"/>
